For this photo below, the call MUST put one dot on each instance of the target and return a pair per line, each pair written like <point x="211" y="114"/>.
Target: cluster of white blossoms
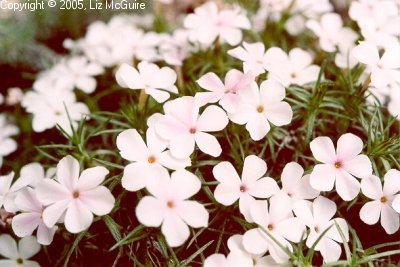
<point x="40" y="200"/>
<point x="282" y="212"/>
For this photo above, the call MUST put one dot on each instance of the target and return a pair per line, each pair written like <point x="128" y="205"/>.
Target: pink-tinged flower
<point x="225" y="93"/>
<point x="18" y="256"/>
<point x="143" y="78"/>
<point x="254" y="57"/>
<point x="147" y="160"/>
<point x="279" y="222"/>
<point x="252" y="184"/>
<point x="260" y="106"/>
<point x="331" y="32"/>
<point x="168" y="206"/>
<point x="183" y="127"/>
<point x="340" y="166"/>
<point x="30" y="219"/>
<point x="75" y="196"/>
<point x="8" y="192"/>
<point x="207" y="24"/>
<point x="317" y="216"/>
<point x="381" y="206"/>
<point x="293" y="68"/>
<point x="384" y="70"/>
<point x="295" y="185"/>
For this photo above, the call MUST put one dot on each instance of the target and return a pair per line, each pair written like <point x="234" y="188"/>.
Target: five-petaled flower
<point x="169" y="206"/>
<point x="339" y="166"/>
<point x="383" y="197"/>
<point x="252" y="185"/>
<point x="75" y="196"/>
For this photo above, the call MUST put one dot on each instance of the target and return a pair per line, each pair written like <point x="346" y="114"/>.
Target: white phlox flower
<point x="251" y="185"/>
<point x="148" y="160"/>
<point x="77" y="196"/>
<point x="382" y="205"/>
<point x="18" y="255"/>
<point x="261" y="106"/>
<point x="143" y="78"/>
<point x="339" y="167"/>
<point x="317" y="216"/>
<point x="183" y="127"/>
<point x="169" y="206"/>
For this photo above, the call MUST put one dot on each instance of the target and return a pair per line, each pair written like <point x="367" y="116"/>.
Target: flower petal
<point x="24" y="224"/>
<point x="258" y="126"/>
<point x="322" y="177"/>
<point x="259" y="212"/>
<point x="304" y="189"/>
<point x="99" y="200"/>
<point x="52" y="213"/>
<point x="212" y="119"/>
<point x="389" y="219"/>
<point x="68" y="172"/>
<point x="28" y="247"/>
<point x="27" y="201"/>
<point x="176" y="232"/>
<point x="224" y="172"/>
<point x="193" y="213"/>
<point x="279" y="114"/>
<point x="227" y="193"/>
<point x="245" y="202"/>
<point x="372" y="187"/>
<point x="271" y="92"/>
<point x="182" y="146"/>
<point x="91" y="178"/>
<point x="150" y="211"/>
<point x="396" y="203"/>
<point x="323" y="209"/>
<point x="167" y="160"/>
<point x="45" y="235"/>
<point x="263" y="188"/>
<point x="347" y="186"/>
<point x="255" y="242"/>
<point x="392" y="182"/>
<point x="360" y="166"/>
<point x="208" y="144"/>
<point x="253" y="169"/>
<point x="323" y="149"/>
<point x="349" y="146"/>
<point x="333" y="233"/>
<point x="211" y="82"/>
<point x="137" y="175"/>
<point x="8" y="247"/>
<point x="184" y="184"/>
<point x="216" y="260"/>
<point x="132" y="146"/>
<point x="366" y="53"/>
<point x="78" y="217"/>
<point x="330" y="250"/>
<point x="292" y="229"/>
